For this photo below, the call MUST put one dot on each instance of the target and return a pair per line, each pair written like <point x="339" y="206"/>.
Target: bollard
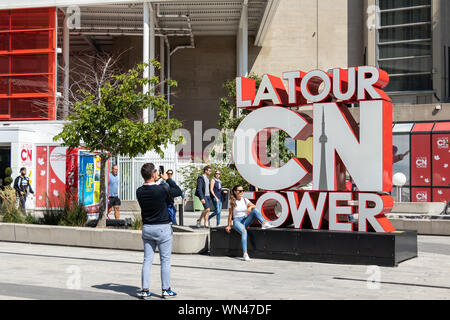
<point x="180" y="213"/>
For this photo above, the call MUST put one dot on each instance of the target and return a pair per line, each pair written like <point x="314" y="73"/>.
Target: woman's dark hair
<point x="233" y="196"/>
<point x="147" y="171"/>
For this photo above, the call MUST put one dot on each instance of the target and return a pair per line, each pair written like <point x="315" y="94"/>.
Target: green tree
<point x="102" y="121"/>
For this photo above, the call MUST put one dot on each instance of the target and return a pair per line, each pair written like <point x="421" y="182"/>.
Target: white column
<point x="238" y="53"/>
<point x="146" y="52"/>
<point x="242" y="45"/>
<point x="162" y="60"/>
<point x="168" y="74"/>
<point x="66" y="56"/>
<point x="151" y="114"/>
<point x="244" y="39"/>
<point x="242" y="42"/>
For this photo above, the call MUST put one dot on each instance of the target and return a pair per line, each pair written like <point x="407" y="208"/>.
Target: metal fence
<point x="130" y="170"/>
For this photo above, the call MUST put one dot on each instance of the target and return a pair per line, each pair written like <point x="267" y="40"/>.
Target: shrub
<point x="8" y="210"/>
<point x="137" y="222"/>
<point x="52" y="216"/>
<point x="8" y="180"/>
<point x="74" y="214"/>
<point x="64" y="210"/>
<point x="30" y="219"/>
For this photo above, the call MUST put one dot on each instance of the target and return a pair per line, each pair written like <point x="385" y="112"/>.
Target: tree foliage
<point x="106" y="121"/>
<point x="103" y="121"/>
<point x="229" y="120"/>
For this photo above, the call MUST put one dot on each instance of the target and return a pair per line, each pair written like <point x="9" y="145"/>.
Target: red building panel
<point x="441" y="159"/>
<point x="441" y="194"/>
<point x="27" y="64"/>
<point x="420" y="194"/>
<point x="423" y="127"/>
<point x="420" y="160"/>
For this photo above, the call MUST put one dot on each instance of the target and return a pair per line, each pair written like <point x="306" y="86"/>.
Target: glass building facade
<point x="404" y="44"/>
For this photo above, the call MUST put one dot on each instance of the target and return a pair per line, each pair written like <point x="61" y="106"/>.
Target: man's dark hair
<point x="23" y="168"/>
<point x="206" y="169"/>
<point x="147" y="171"/>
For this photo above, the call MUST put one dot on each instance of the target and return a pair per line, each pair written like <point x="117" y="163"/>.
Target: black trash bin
<point x="226" y="197"/>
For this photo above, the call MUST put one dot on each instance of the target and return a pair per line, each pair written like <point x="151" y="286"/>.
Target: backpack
<point x="170" y="207"/>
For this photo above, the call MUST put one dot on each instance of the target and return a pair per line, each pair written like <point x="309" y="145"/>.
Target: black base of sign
<point x="366" y="248"/>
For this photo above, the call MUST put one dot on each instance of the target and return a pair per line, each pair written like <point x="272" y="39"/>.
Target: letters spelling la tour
<point x="339" y="145"/>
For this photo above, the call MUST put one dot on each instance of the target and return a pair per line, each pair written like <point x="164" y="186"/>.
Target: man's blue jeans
<point x="241" y="225"/>
<point x="157" y="235"/>
<point x="218" y="205"/>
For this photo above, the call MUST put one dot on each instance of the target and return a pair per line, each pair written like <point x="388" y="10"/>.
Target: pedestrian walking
<point x="243" y="212"/>
<point x="113" y="192"/>
<point x="217" y="196"/>
<point x="203" y="193"/>
<point x="23" y="187"/>
<point x="153" y="199"/>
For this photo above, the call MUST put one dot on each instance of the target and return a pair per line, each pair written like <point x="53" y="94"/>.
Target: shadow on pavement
<point x="130" y="290"/>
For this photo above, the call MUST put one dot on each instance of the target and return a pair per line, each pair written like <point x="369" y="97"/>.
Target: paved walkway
<point x="54" y="272"/>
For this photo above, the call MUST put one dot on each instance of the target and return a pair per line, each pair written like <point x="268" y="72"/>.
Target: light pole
<point x="399" y="181"/>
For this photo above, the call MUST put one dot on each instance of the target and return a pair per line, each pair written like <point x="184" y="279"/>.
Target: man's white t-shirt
<point x="241" y="208"/>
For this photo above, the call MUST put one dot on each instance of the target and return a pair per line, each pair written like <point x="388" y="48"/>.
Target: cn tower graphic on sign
<point x="341" y="145"/>
<point x="323" y="166"/>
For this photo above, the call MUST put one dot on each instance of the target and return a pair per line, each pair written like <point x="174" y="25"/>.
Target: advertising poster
<point x="89" y="181"/>
<point x="441" y="160"/>
<point x="420" y="160"/>
<point x="97" y="180"/>
<point x="41" y="176"/>
<point x="50" y="176"/>
<point x="57" y="176"/>
<point x="72" y="172"/>
<point x="86" y="179"/>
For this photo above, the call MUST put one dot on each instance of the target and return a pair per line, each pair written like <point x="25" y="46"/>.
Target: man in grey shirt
<point x="113" y="192"/>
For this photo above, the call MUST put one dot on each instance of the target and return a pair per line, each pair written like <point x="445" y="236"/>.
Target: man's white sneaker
<point x="267" y="225"/>
<point x="246" y="257"/>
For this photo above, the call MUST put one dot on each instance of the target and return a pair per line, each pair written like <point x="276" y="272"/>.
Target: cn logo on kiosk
<point x="340" y="145"/>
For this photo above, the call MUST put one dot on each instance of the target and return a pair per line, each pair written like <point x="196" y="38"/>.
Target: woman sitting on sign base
<point x="243" y="212"/>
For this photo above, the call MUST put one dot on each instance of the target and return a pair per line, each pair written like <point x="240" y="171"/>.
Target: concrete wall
<point x="308" y="35"/>
<point x="184" y="239"/>
<point x="200" y="74"/>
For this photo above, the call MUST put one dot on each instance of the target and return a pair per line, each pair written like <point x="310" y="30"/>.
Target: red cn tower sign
<point x="339" y="145"/>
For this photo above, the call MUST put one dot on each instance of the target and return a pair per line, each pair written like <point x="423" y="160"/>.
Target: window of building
<point x="404" y="46"/>
<point x="27" y="64"/>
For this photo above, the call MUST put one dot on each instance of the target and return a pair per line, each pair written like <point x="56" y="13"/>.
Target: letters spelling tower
<point x="340" y="145"/>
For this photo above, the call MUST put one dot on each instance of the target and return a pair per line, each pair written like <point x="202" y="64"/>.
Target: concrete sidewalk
<point x="55" y="272"/>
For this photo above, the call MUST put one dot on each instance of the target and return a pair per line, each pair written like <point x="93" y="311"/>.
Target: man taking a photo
<point x="153" y="199"/>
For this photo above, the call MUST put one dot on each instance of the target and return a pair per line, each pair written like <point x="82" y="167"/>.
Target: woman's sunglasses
<point x="240" y="191"/>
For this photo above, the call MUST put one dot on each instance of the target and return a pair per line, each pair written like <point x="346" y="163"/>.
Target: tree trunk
<point x="101" y="223"/>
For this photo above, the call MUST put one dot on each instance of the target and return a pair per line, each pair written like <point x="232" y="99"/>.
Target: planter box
<point x="184" y="239"/>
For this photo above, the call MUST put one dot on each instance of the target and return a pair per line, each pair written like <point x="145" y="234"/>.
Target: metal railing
<point x="130" y="170"/>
